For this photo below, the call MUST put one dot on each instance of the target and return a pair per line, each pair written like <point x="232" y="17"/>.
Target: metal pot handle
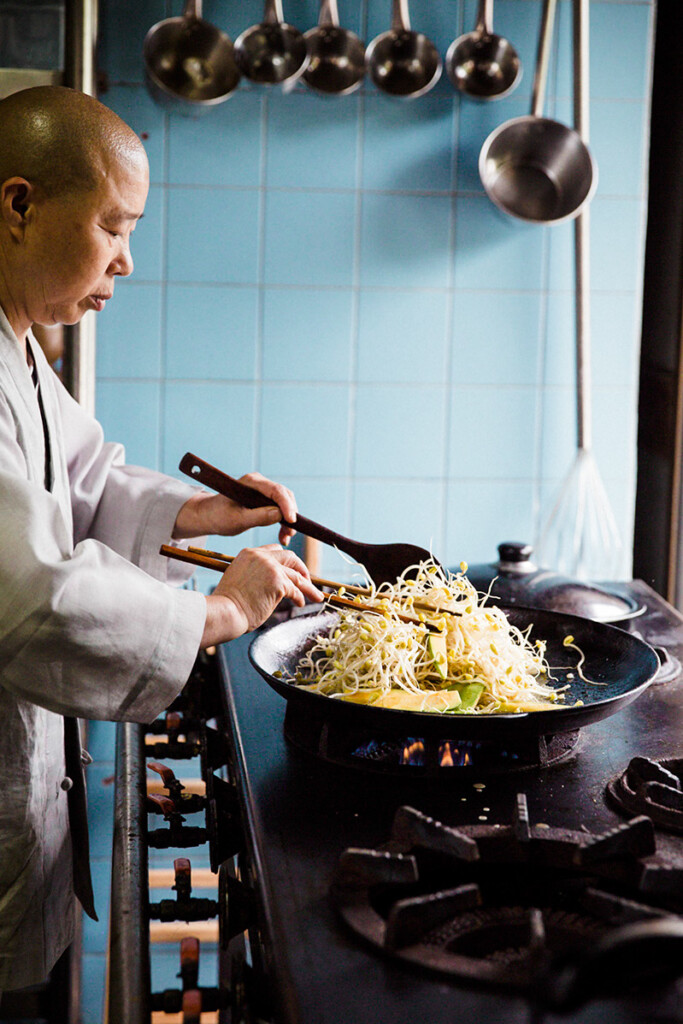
<point x="400" y="18"/>
<point x="329" y="15"/>
<point x="484" y="24"/>
<point x="192" y="10"/>
<point x="644" y="953"/>
<point x="272" y="13"/>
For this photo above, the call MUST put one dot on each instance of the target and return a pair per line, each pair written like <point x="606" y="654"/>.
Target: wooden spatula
<point x="384" y="562"/>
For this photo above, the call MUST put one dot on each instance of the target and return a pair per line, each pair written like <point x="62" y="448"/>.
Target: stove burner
<point x="419" y="756"/>
<point x="651" y="787"/>
<point x="516" y="906"/>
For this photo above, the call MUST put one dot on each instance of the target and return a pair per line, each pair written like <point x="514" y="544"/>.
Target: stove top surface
<point x="302" y="813"/>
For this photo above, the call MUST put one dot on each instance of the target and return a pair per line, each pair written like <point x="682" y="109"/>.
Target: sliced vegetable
<point x="437" y="649"/>
<point x="469" y="694"/>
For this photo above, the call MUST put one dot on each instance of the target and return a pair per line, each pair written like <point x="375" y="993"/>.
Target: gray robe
<point x="89" y="627"/>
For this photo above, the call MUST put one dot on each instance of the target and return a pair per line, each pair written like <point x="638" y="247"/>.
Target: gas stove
<point x="358" y="905"/>
<point x="367" y="879"/>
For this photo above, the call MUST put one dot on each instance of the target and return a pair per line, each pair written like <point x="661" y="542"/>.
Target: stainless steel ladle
<point x="533" y="167"/>
<point x="402" y="62"/>
<point x="336" y="55"/>
<point x="189" y="63"/>
<point x="481" y="64"/>
<point x="272" y="52"/>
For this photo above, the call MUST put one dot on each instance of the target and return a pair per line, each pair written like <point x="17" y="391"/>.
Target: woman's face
<point x="79" y="243"/>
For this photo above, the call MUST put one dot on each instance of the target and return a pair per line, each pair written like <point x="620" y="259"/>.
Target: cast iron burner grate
<point x="517" y="906"/>
<point x="651" y="787"/>
<point x="419" y="756"/>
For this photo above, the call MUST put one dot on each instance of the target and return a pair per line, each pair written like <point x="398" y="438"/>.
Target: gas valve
<point x="190" y="1000"/>
<point x="184" y="907"/>
<point x="189" y="803"/>
<point x="177" y="834"/>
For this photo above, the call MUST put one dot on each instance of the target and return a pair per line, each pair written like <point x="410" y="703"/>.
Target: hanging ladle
<point x="271" y="53"/>
<point x="533" y="167"/>
<point x="336" y="55"/>
<point x="189" y="63"/>
<point x="402" y="62"/>
<point x="481" y="64"/>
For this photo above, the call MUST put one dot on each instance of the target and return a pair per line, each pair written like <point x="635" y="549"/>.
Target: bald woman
<point x="92" y="621"/>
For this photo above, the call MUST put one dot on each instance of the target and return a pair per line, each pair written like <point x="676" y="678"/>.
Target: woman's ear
<point x="15" y="199"/>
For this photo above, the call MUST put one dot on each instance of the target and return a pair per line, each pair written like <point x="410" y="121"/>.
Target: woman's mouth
<point x="98" y="302"/>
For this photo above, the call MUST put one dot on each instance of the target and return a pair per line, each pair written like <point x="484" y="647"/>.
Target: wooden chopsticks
<point x="216" y="560"/>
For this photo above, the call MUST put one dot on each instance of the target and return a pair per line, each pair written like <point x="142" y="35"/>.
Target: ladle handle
<point x="400" y="18"/>
<point x="329" y="13"/>
<point x="543" y="56"/>
<point x="484" y="26"/>
<point x="272" y="12"/>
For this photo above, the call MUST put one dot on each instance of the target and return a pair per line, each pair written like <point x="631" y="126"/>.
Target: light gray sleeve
<point x="129" y="508"/>
<point x="85" y="632"/>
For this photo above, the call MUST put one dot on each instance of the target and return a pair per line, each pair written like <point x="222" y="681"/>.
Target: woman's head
<point x="73" y="184"/>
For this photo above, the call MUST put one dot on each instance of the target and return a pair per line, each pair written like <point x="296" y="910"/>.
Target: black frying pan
<point x="624" y="663"/>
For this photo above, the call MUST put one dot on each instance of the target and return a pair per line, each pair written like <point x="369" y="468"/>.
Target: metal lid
<point x="516" y="579"/>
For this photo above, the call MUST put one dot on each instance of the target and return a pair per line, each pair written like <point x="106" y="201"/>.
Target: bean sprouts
<point x="468" y="658"/>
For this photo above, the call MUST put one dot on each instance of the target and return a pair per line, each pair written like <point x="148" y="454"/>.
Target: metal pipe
<point x="129" y="974"/>
<point x="80" y="72"/>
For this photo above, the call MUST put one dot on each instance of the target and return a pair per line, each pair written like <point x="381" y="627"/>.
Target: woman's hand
<point x="215" y="514"/>
<point x="251" y="588"/>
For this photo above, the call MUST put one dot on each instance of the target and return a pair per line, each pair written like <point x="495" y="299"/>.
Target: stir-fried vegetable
<point x="463" y="655"/>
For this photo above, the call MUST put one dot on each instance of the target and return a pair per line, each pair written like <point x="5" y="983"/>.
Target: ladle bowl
<point x="189" y="63"/>
<point x="401" y="62"/>
<point x="336" y="56"/>
<point x="485" y="67"/>
<point x="272" y="52"/>
<point x="337" y="60"/>
<point x="482" y="64"/>
<point x="537" y="169"/>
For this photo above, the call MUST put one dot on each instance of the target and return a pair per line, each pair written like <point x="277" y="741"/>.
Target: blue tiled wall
<point x="324" y="292"/>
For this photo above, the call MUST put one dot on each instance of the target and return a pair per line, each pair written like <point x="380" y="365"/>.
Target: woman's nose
<point x="123" y="263"/>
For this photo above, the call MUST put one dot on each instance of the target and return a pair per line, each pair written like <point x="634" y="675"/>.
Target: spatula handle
<point x="217" y="480"/>
<point x="204" y="473"/>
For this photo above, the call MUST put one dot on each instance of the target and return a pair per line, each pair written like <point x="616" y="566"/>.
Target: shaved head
<point x="62" y="140"/>
<point x="73" y="185"/>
